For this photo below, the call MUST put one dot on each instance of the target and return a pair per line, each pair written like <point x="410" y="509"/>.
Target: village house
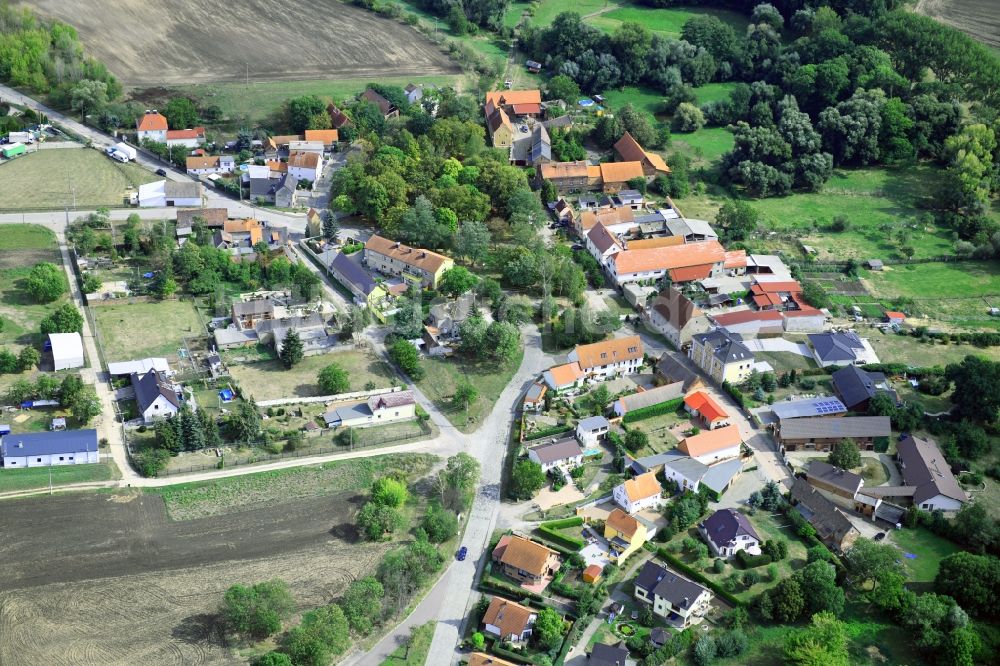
<point x="616" y="176"/>
<point x="338" y="119"/>
<point x="188" y="138"/>
<point x="832" y="525"/>
<point x="563" y="377"/>
<point x="923" y="466"/>
<point x="305" y="165"/>
<point x="820" y="406"/>
<point x="151" y="126"/>
<point x="564" y="211"/>
<point x="601" y="243"/>
<point x="316" y="147"/>
<point x="682" y="263"/>
<point x="680" y="601"/>
<point x="642" y="492"/>
<point x="610" y="358"/>
<point x="42" y="449"/>
<point x="203" y="166"/>
<point x="722" y="355"/>
<point x="648" y="398"/>
<point x="500" y="127"/>
<point x="356" y="279"/>
<point x="244" y="233"/>
<point x="591" y="430"/>
<point x="519" y="104"/>
<point x="451" y="314"/>
<point x="624" y="534"/>
<point x="676" y="317"/>
<point x="727" y="531"/>
<point x="618" y="221"/>
<point x="209" y="217"/>
<point x="822" y="433"/>
<point x="691" y="475"/>
<point x="387" y="108"/>
<point x="565" y="176"/>
<point x="602" y="654"/>
<point x="414" y="93"/>
<point x="856" y="387"/>
<point x="524" y="560"/>
<point x="750" y="323"/>
<point x="156" y="397"/>
<point x="628" y="150"/>
<point x="565" y="453"/>
<point x="508" y="620"/>
<point x="376" y="410"/>
<point x="533" y="149"/>
<point x="702" y="406"/>
<point x="249" y="314"/>
<point x="420" y="267"/>
<point x="711" y="446"/>
<point x="841" y="349"/>
<point x="534" y="397"/>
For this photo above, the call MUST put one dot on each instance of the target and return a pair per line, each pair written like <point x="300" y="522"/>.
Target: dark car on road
<point x="462" y="552"/>
<point x="161" y="172"/>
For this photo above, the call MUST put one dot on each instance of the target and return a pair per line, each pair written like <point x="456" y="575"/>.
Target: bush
<point x="653" y="410"/>
<point x="550" y="531"/>
<point x="749" y="561"/>
<point x="257" y="611"/>
<point x="718" y="566"/>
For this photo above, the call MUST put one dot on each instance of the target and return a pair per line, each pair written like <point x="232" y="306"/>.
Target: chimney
<point x="686" y="601"/>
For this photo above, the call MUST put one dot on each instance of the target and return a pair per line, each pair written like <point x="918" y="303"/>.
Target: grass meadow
<point x="137" y="330"/>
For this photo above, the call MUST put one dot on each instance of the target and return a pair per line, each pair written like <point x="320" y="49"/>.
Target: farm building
<point x="163" y="193"/>
<point x="627" y="149"/>
<point x="677" y="317"/>
<point x="833" y="479"/>
<point x="41" y="449"/>
<point x="210" y="217"/>
<point x="670" y="369"/>
<point x="67" y="350"/>
<point x="808" y="407"/>
<point x="378" y="409"/>
<point x="683" y="263"/>
<point x="648" y="398"/>
<point x="822" y="433"/>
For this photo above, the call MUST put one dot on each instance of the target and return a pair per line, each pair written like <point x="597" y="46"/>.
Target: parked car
<point x="880" y="536"/>
<point x="462" y="552"/>
<point x="161" y="172"/>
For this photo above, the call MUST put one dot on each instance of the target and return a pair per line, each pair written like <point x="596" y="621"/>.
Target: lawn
<point x="932" y="404"/>
<point x="392" y="433"/>
<point x="657" y="429"/>
<point x="137" y="330"/>
<point x="443" y="375"/>
<point x="929" y="548"/>
<point x="666" y="21"/>
<point x="873" y="471"/>
<point x="784" y="361"/>
<point x="959" y="279"/>
<point x="270" y="380"/>
<point x="22" y="247"/>
<point x="38" y="477"/>
<point x="713" y="92"/>
<point x="705" y="146"/>
<point x="910" y="350"/>
<point x="39" y="419"/>
<point x="646" y="99"/>
<point x="72" y="177"/>
<point x="414" y="651"/>
<point x="549" y="9"/>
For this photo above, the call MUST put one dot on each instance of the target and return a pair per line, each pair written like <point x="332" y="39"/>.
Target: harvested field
<point x="976" y="18"/>
<point x="179" y="42"/>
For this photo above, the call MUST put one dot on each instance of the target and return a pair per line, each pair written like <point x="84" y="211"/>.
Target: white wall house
<point x="602" y="360"/>
<point x="727" y="532"/>
<point x="563" y="453"/>
<point x="151" y="126"/>
<point x="41" y="449"/>
<point x="642" y="492"/>
<point x="591" y="430"/>
<point x="155" y="396"/>
<point x="305" y="166"/>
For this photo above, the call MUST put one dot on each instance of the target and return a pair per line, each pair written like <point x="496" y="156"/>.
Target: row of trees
<point x="72" y="394"/>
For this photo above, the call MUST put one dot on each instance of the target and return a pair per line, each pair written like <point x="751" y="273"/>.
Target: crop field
<point x="177" y="42"/>
<point x="977" y="18"/>
<point x="24" y="245"/>
<point x="270" y="380"/>
<point x="137" y="330"/>
<point x="66" y="177"/>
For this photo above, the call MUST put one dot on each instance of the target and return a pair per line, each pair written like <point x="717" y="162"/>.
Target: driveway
<point x="778" y="345"/>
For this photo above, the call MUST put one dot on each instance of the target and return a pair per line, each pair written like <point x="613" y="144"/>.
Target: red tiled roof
<point x="151" y="122"/>
<point x="526" y="109"/>
<point x="705" y="405"/>
<point x="192" y="133"/>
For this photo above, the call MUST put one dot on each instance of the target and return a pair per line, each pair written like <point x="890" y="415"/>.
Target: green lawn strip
<point x="932" y="404"/>
<point x="958" y="279"/>
<point x="414" y="651"/>
<point x="929" y="548"/>
<point x="210" y="498"/>
<point x="785" y="361"/>
<point x="548" y="9"/>
<point x="443" y="375"/>
<point x="666" y="21"/>
<point x="910" y="350"/>
<point x="271" y="380"/>
<point x="137" y="330"/>
<point x="38" y="477"/>
<point x="646" y="99"/>
<point x="705" y="146"/>
<point x="874" y="473"/>
<point x="29" y="237"/>
<point x="713" y="92"/>
<point x="23" y="246"/>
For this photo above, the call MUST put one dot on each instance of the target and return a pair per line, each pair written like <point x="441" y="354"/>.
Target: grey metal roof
<point x="838" y="428"/>
<point x="701" y="228"/>
<point x="818" y="406"/>
<point x="593" y="423"/>
<point x="723" y="526"/>
<point x="726" y="346"/>
<point x="355" y="411"/>
<point x="664" y="583"/>
<point x="234" y="336"/>
<point x="720" y="474"/>
<point x="647" y="463"/>
<point x="541" y="148"/>
<point x="140" y="366"/>
<point x="353" y="273"/>
<point x="924" y="466"/>
<point x="564" y="449"/>
<point x="689" y="468"/>
<point x="254" y="307"/>
<point x="181" y="189"/>
<point x="855" y="385"/>
<point x="835" y="476"/>
<point x="48" y="443"/>
<point x="149" y="387"/>
<point x="836" y="346"/>
<point x="534" y="392"/>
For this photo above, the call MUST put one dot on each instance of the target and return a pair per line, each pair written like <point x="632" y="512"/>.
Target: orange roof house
<point x="629" y="150"/>
<point x="525" y="560"/>
<point x="648" y="243"/>
<point x="513" y="97"/>
<point x="706" y="407"/>
<point x="609" y="217"/>
<point x="508" y="619"/>
<point x="303" y="160"/>
<point x="615" y="175"/>
<point x="327" y="136"/>
<point x="598" y="355"/>
<point x="198" y="163"/>
<point x="622" y="523"/>
<point x="711" y="445"/>
<point x="685" y="263"/>
<point x="563" y="376"/>
<point x="248" y="225"/>
<point x="151" y="121"/>
<point x="735" y="260"/>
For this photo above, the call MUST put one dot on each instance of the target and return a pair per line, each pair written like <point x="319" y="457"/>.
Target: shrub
<point x="749" y="561"/>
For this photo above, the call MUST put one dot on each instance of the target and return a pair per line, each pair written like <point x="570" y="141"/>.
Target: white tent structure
<point x="67" y="350"/>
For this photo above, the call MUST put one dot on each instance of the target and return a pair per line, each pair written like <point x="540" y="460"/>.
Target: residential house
<point x="277" y="146"/>
<point x="711" y="446"/>
<point x="564" y="377"/>
<point x="203" y="166"/>
<point x="312" y="330"/>
<point x="591" y="430"/>
<point x="923" y="466"/>
<point x="524" y="560"/>
<point x="315" y="147"/>
<point x="509" y="621"/>
<point x="676" y="317"/>
<point x="672" y="370"/>
<point x="520" y="104"/>
<point x="631" y="198"/>
<point x="832" y="525"/>
<point x="249" y="314"/>
<point x="565" y="176"/>
<point x="532" y="150"/>
<point x="483" y="659"/>
<point x="682" y="263"/>
<point x="151" y="126"/>
<point x="156" y="397"/>
<point x="414" y="93"/>
<point x="642" y="492"/>
<point x="705" y="408"/>
<point x="500" y="127"/>
<point x="189" y="138"/>
<point x="648" y="398"/>
<point x="450" y="315"/>
<point x="616" y="176"/>
<point x="841" y="349"/>
<point x="328" y="137"/>
<point x="376" y="410"/>
<point x="727" y="531"/>
<point x="239" y="233"/>
<point x="856" y="387"/>
<point x="209" y="217"/>
<point x="625" y="534"/>
<point x="565" y="453"/>
<point x="783" y="295"/>
<point x="618" y="356"/>
<point x="284" y="193"/>
<point x="628" y="150"/>
<point x="305" y="165"/>
<point x="262" y="190"/>
<point x="722" y="355"/>
<point x="679" y="600"/>
<point x="601" y="244"/>
<point x="564" y="211"/>
<point x="421" y="267"/>
<point x="820" y="406"/>
<point x="833" y="479"/>
<point x="822" y="433"/>
<point x="67" y="350"/>
<point x="534" y="397"/>
<point x="434" y="343"/>
<point x="356" y="279"/>
<point x="163" y="193"/>
<point x="387" y="108"/>
<point x="691" y="475"/>
<point x="609" y="655"/>
<point x="41" y="449"/>
<point x="338" y="119"/>
<point x="275" y="169"/>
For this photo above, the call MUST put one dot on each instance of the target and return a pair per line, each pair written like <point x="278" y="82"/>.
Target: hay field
<point x="180" y="42"/>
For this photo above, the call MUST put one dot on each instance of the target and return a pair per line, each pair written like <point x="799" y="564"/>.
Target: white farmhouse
<point x="41" y="449"/>
<point x="602" y="360"/>
<point x="642" y="492"/>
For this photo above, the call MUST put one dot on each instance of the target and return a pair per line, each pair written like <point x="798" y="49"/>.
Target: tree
<point x="960" y="648"/>
<point x="28" y="358"/>
<point x="971" y="172"/>
<point x="388" y="491"/>
<point x="820" y="588"/>
<point x="420" y="226"/>
<point x="330" y="227"/>
<point x="973" y="580"/>
<point x="291" y="349"/>
<point x="274" y="659"/>
<point x="245" y="423"/>
<point x="526" y="479"/>
<point x="738" y="220"/>
<point x="636" y="440"/>
<point x="823" y="643"/>
<point x="257" y="610"/>
<point x="870" y="560"/>
<point x="788" y="600"/>
<point x="478" y="641"/>
<point x="362" y="604"/>
<point x="472" y="240"/>
<point x="456" y="483"/>
<point x="377" y="520"/>
<point x="465" y="394"/>
<point x="845" y="454"/>
<point x="181" y="113"/>
<point x="86" y="406"/>
<point x="303" y="110"/>
<point x="333" y="379"/>
<point x="8" y="362"/>
<point x="405" y="355"/>
<point x="440" y="524"/>
<point x="89" y="97"/>
<point x="456" y="281"/>
<point x="323" y="632"/>
<point x="562" y="87"/>
<point x="46" y="282"/>
<point x="688" y="118"/>
<point x="977" y="389"/>
<point x="548" y="629"/>
<point x="503" y="341"/>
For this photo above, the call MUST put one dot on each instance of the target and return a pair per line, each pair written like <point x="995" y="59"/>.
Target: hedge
<point x="549" y="531"/>
<point x="548" y="432"/>
<point x="519" y="593"/>
<point x="752" y="561"/>
<point x="510" y="654"/>
<point x="653" y="410"/>
<point x="697" y="576"/>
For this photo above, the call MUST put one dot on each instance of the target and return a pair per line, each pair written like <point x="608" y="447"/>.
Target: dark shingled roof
<point x="836" y="346"/>
<point x="723" y="526"/>
<point x="726" y="346"/>
<point x="829" y="522"/>
<point x="665" y="584"/>
<point x="834" y="476"/>
<point x="839" y="428"/>
<point x="352" y="272"/>
<point x="607" y="655"/>
<point x="855" y="385"/>
<point x="925" y="467"/>
<point x="556" y="451"/>
<point x="149" y="386"/>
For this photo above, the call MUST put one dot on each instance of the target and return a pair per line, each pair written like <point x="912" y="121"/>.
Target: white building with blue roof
<point x="41" y="449"/>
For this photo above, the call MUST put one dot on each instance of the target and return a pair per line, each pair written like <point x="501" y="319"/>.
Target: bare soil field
<point x="180" y="42"/>
<point x="978" y="18"/>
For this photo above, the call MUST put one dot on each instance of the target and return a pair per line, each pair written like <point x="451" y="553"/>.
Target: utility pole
<point x="248" y="73"/>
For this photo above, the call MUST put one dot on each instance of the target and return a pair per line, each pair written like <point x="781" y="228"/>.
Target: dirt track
<point x="177" y="41"/>
<point x="95" y="579"/>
